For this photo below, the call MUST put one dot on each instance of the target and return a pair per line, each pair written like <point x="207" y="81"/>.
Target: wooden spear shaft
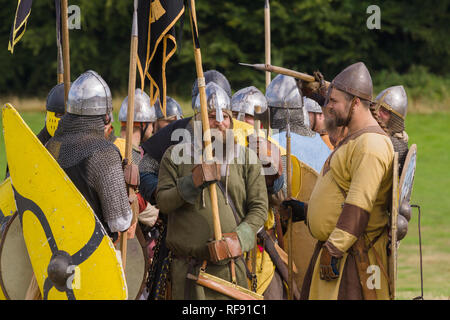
<point x="66" y="54"/>
<point x="280" y="70"/>
<point x="130" y="118"/>
<point x="289" y="195"/>
<point x="205" y="122"/>
<point x="267" y="38"/>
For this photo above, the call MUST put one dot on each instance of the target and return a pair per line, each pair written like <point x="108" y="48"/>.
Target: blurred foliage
<point x="307" y="35"/>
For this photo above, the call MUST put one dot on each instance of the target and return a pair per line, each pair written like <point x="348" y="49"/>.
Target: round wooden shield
<point x="137" y="266"/>
<point x="15" y="266"/>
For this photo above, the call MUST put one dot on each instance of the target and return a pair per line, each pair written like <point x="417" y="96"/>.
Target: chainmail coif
<point x="280" y="116"/>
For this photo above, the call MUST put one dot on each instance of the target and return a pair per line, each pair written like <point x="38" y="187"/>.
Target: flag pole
<point x="66" y="54"/>
<point x="130" y="118"/>
<point x="59" y="66"/>
<point x="59" y="54"/>
<point x="267" y="39"/>
<point x="205" y="122"/>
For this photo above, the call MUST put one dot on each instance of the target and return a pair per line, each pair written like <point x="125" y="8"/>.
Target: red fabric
<point x="142" y="202"/>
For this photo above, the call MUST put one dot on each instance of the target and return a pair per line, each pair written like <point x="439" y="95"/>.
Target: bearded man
<point x="347" y="210"/>
<point x="182" y="195"/>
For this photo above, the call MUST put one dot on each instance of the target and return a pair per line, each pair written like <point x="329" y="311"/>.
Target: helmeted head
<point x="173" y="113"/>
<point x="244" y="101"/>
<point x="55" y="108"/>
<point x="282" y="92"/>
<point x="354" y="80"/>
<point x="315" y="115"/>
<point x="144" y="114"/>
<point x="212" y="76"/>
<point x="217" y="103"/>
<point x="351" y="87"/>
<point x="311" y="105"/>
<point x="391" y="104"/>
<point x="143" y="110"/>
<point x="286" y="104"/>
<point x="89" y="95"/>
<point x="173" y="110"/>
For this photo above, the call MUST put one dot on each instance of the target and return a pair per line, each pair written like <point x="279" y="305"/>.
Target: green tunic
<point x="190" y="224"/>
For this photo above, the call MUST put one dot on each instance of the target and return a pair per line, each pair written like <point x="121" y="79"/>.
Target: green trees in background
<point x="307" y="35"/>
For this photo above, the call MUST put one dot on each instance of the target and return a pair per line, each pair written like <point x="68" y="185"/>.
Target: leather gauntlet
<point x="205" y="173"/>
<point x="329" y="269"/>
<point x="226" y="248"/>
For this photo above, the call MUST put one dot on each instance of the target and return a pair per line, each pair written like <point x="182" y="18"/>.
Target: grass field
<point x="432" y="185"/>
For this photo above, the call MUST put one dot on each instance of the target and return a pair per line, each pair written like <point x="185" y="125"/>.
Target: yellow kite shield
<point x="61" y="232"/>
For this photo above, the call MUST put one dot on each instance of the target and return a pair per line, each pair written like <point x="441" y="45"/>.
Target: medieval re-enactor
<point x="347" y="211"/>
<point x="183" y="196"/>
<point x="286" y="106"/>
<point x="55" y="108"/>
<point x="390" y="107"/>
<point x="92" y="162"/>
<point x="173" y="113"/>
<point x="143" y="126"/>
<point x="266" y="262"/>
<point x="244" y="101"/>
<point x="317" y="120"/>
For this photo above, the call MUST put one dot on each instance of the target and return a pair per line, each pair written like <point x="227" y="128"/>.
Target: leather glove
<point x="226" y="248"/>
<point x="315" y="90"/>
<point x="205" y="173"/>
<point x="329" y="269"/>
<point x="297" y="207"/>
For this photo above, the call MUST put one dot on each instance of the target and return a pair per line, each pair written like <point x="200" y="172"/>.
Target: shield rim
<point x="143" y="244"/>
<point x="2" y="242"/>
<point x="411" y="153"/>
<point x="394" y="216"/>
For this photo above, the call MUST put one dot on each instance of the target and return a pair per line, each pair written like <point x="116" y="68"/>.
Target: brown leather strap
<point x="250" y="274"/>
<point x="361" y="256"/>
<point x="348" y="138"/>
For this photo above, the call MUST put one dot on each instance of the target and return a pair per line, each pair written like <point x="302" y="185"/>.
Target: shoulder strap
<point x="353" y="136"/>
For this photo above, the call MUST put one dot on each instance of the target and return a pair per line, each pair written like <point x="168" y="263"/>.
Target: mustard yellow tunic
<point x="361" y="169"/>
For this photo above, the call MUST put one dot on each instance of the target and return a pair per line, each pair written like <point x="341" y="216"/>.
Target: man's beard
<point x="334" y="120"/>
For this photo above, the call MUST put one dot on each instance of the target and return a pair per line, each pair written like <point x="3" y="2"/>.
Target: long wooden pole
<point x="280" y="70"/>
<point x="59" y="68"/>
<point x="130" y="118"/>
<point x="205" y="122"/>
<point x="66" y="52"/>
<point x="267" y="38"/>
<point x="289" y="195"/>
